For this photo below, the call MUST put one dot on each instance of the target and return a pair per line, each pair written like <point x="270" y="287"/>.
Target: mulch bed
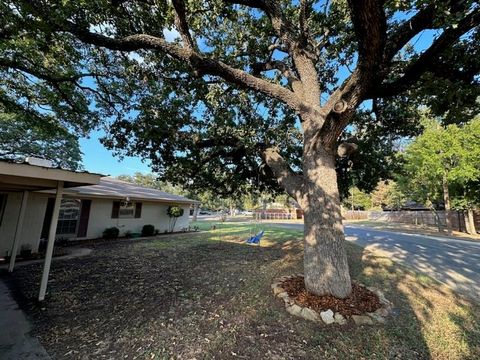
<point x="360" y="301"/>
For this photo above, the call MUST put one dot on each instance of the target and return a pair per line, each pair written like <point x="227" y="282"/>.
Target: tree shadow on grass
<point x="428" y="313"/>
<point x="201" y="297"/>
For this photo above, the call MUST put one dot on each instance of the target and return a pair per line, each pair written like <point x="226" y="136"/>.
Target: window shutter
<point x="115" y="209"/>
<point x="138" y="210"/>
<point x="84" y="216"/>
<point x="48" y="218"/>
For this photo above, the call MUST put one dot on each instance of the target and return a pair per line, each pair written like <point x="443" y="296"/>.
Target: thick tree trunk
<point x="325" y="258"/>
<point x="466" y="222"/>
<point x="446" y="199"/>
<point x="471" y="222"/>
<point x="438" y="220"/>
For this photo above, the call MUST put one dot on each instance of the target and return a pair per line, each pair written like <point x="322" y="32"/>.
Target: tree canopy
<point x="388" y="195"/>
<point x="452" y="152"/>
<point x="357" y="200"/>
<point x="151" y="181"/>
<point x="217" y="82"/>
<point x="21" y="137"/>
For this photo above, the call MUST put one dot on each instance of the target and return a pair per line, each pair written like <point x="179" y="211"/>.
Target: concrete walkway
<point x="15" y="340"/>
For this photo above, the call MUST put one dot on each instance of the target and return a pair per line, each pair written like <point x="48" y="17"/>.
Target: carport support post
<point x="51" y="240"/>
<point x="18" y="231"/>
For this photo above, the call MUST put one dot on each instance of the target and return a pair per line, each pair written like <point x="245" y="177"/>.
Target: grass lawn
<point x="207" y="295"/>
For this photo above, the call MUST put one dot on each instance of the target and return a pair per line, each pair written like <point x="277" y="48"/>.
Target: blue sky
<point x="96" y="158"/>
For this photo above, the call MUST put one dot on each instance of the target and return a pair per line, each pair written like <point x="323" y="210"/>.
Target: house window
<point x="3" y="203"/>
<point x="126" y="210"/>
<point x="68" y="216"/>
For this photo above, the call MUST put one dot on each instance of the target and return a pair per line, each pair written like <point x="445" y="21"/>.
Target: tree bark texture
<point x="325" y="258"/>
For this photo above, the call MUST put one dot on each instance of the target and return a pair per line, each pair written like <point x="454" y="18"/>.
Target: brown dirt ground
<point x="208" y="296"/>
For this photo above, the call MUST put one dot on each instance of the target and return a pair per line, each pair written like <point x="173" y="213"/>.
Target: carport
<point x="27" y="177"/>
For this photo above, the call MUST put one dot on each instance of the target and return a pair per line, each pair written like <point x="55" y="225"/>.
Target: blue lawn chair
<point x="256" y="238"/>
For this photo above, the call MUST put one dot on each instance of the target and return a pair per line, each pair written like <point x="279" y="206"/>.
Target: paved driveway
<point x="451" y="261"/>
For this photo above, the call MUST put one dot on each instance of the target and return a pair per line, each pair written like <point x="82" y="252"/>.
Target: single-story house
<point x="38" y="202"/>
<point x="86" y="211"/>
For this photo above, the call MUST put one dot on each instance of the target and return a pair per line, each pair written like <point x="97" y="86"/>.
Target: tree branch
<point x="256" y="4"/>
<point x="446" y="71"/>
<point x="286" y="177"/>
<point x="370" y="27"/>
<point x="426" y="60"/>
<point x="200" y="64"/>
<point x="53" y="78"/>
<point x="182" y="25"/>
<point x="305" y="9"/>
<point x="422" y="20"/>
<point x="295" y="45"/>
<point x="259" y="67"/>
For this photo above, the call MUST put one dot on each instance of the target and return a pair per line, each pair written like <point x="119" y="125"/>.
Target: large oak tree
<point x="261" y="89"/>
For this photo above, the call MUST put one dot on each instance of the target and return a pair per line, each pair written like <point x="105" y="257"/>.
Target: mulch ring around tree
<point x="360" y="301"/>
<point x="364" y="306"/>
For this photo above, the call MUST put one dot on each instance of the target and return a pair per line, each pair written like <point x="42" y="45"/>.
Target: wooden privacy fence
<point x="278" y="214"/>
<point x="422" y="218"/>
<point x="418" y="218"/>
<point x="355" y="215"/>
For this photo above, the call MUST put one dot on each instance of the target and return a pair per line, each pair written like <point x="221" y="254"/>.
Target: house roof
<point x="16" y="176"/>
<point x="117" y="189"/>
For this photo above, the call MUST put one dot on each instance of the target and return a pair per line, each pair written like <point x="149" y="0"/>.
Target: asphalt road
<point x="451" y="261"/>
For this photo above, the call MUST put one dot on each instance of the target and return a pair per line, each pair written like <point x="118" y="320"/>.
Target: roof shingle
<point x="118" y="189"/>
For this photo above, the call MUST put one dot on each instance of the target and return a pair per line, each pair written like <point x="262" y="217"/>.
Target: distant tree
<point x="212" y="201"/>
<point x="152" y="181"/>
<point x="387" y="194"/>
<point x="444" y="163"/>
<point x="250" y="202"/>
<point x="357" y="200"/>
<point x="21" y="137"/>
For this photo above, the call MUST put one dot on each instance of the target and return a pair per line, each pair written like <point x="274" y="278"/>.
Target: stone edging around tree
<point x="328" y="316"/>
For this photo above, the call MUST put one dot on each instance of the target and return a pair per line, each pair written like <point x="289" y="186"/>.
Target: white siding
<point x="33" y="222"/>
<point x="100" y="218"/>
<point x="152" y="213"/>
